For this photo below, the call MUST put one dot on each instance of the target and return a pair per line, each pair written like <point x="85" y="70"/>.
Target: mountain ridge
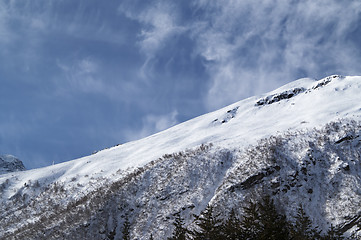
<point x="209" y="150"/>
<point x="9" y="163"/>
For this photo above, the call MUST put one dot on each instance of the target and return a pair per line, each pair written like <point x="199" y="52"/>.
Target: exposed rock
<point x="348" y="137"/>
<point x="280" y="96"/>
<point x="326" y="81"/>
<point x="255" y="179"/>
<point x="9" y="163"/>
<point x="228" y="116"/>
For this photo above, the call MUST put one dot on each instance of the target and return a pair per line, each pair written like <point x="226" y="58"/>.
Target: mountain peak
<point x="294" y="88"/>
<point x="300" y="142"/>
<point x="9" y="163"/>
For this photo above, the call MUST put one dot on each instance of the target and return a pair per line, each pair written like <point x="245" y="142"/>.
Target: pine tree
<point x="333" y="234"/>
<point x="126" y="229"/>
<point x="232" y="227"/>
<point x="275" y="226"/>
<point x="250" y="225"/>
<point x="261" y="221"/>
<point x="302" y="228"/>
<point x="180" y="231"/>
<point x="209" y="225"/>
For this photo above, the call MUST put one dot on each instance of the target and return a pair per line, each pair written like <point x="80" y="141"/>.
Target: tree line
<point x="260" y="221"/>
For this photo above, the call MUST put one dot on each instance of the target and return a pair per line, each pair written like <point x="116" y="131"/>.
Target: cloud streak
<point x="159" y="23"/>
<point x="82" y="76"/>
<point x="152" y="124"/>
<point x="253" y="46"/>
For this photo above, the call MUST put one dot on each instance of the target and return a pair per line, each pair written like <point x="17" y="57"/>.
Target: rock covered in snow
<point x="9" y="163"/>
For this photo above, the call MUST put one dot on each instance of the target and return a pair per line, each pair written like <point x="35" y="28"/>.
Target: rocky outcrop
<point x="280" y="96"/>
<point x="9" y="163"/>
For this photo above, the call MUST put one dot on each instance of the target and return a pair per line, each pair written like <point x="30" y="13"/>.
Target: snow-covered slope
<point x="9" y="163"/>
<point x="239" y="124"/>
<point x="185" y="149"/>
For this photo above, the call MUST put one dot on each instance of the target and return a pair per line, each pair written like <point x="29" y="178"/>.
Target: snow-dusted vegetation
<point x="311" y="168"/>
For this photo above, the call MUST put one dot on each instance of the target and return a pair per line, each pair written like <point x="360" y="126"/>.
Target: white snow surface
<point x="237" y="125"/>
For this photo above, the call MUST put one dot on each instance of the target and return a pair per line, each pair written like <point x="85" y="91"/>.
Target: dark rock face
<point x="9" y="163"/>
<point x="295" y="91"/>
<point x="280" y="96"/>
<point x="255" y="179"/>
<point x="326" y="81"/>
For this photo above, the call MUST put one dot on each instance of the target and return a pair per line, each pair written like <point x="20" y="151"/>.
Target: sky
<point x="80" y="76"/>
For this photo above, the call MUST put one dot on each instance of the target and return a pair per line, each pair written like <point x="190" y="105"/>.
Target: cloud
<point x="41" y="20"/>
<point x="159" y="23"/>
<point x="151" y="124"/>
<point x="250" y="47"/>
<point x="253" y="46"/>
<point x="87" y="66"/>
<point x="161" y="26"/>
<point x="81" y="76"/>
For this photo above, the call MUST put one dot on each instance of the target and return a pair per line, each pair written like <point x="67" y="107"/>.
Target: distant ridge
<point x="9" y="163"/>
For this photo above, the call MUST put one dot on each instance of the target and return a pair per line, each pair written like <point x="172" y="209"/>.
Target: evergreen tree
<point x="232" y="227"/>
<point x="333" y="234"/>
<point x="209" y="225"/>
<point x="151" y="237"/>
<point x="250" y="225"/>
<point x="302" y="228"/>
<point x="126" y="229"/>
<point x="180" y="231"/>
<point x="274" y="224"/>
<point x="262" y="221"/>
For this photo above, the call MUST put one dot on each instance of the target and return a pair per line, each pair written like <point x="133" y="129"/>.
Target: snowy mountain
<point x="300" y="144"/>
<point x="9" y="163"/>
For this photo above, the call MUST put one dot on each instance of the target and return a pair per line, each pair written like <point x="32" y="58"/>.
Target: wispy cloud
<point x="80" y="76"/>
<point x="159" y="24"/>
<point x="252" y="46"/>
<point x="152" y="123"/>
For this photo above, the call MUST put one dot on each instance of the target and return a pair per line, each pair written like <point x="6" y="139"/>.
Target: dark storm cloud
<point x="78" y="76"/>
